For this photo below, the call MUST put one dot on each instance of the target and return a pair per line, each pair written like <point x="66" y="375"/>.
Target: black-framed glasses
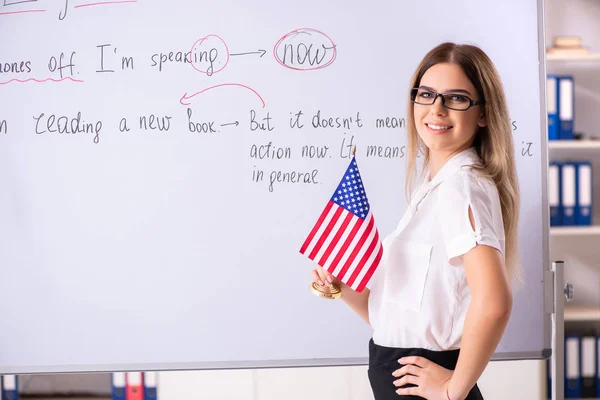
<point x="458" y="102"/>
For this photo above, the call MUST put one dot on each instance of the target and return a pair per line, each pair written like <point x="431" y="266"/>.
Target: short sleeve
<point x="456" y="195"/>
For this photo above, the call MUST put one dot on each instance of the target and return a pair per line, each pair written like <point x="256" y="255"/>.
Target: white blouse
<point x="419" y="293"/>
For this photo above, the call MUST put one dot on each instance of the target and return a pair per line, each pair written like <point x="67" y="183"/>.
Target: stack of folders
<point x="134" y="385"/>
<point x="570" y="193"/>
<point x="581" y="366"/>
<point x="9" y="387"/>
<point x="561" y="106"/>
<point x="568" y="46"/>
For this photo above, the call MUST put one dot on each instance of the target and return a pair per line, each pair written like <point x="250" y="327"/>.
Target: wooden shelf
<point x="586" y="58"/>
<point x="574" y="230"/>
<point x="573" y="144"/>
<point x="582" y="313"/>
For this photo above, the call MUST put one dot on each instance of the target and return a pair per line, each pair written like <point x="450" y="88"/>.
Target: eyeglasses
<point x="458" y="102"/>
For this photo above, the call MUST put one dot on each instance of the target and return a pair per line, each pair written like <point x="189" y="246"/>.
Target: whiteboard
<point x="150" y="218"/>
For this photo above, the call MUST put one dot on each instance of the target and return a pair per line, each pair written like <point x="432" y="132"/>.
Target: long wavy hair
<point x="493" y="143"/>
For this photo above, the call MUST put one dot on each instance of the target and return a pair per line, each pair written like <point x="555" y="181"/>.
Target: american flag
<point x="345" y="240"/>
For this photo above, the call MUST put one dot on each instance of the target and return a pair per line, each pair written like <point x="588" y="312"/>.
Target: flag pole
<point x="329" y="290"/>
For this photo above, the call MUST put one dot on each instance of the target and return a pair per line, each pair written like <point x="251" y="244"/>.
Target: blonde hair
<point x="493" y="143"/>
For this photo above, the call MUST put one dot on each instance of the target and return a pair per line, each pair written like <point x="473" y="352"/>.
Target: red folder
<point x="135" y="386"/>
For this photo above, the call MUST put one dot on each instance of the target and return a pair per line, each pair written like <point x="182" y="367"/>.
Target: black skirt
<point x="384" y="360"/>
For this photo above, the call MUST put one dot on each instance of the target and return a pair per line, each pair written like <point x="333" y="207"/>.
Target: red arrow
<point x="185" y="97"/>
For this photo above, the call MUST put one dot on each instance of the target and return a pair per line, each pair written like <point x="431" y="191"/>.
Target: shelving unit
<point x="578" y="245"/>
<point x="573" y="144"/>
<point x="575" y="230"/>
<point x="581" y="58"/>
<point x="582" y="313"/>
<point x="585" y="315"/>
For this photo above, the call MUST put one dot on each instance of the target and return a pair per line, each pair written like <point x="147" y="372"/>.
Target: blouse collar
<point x="465" y="158"/>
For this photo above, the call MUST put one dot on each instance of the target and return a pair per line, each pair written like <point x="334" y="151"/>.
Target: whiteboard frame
<point x="545" y="353"/>
<point x="548" y="285"/>
<point x="548" y="293"/>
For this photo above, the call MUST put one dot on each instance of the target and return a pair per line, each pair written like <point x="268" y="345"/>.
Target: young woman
<point x="441" y="299"/>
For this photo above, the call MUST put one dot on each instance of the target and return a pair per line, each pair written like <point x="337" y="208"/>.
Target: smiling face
<point x="443" y="130"/>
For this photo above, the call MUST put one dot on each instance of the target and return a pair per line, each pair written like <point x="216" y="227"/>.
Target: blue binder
<point x="549" y="378"/>
<point x="554" y="194"/>
<point x="568" y="183"/>
<point x="566" y="108"/>
<point x="583" y="209"/>
<point x="598" y="365"/>
<point x="573" y="366"/>
<point x="118" y="386"/>
<point x="588" y="367"/>
<point x="552" y="99"/>
<point x="10" y="387"/>
<point x="150" y="385"/>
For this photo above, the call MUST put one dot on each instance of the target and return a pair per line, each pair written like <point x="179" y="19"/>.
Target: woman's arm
<point x="486" y="319"/>
<point x="358" y="302"/>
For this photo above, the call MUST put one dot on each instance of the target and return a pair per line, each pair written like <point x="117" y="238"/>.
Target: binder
<point x="568" y="185"/>
<point x="118" y="386"/>
<point x="588" y="366"/>
<point x="151" y="385"/>
<point x="598" y="365"/>
<point x="552" y="98"/>
<point x="572" y="366"/>
<point x="549" y="378"/>
<point x="10" y="387"/>
<point x="554" y="195"/>
<point x="134" y="386"/>
<point x="566" y="107"/>
<point x="584" y="194"/>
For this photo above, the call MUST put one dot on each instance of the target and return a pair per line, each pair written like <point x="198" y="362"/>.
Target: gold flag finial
<point x="328" y="291"/>
<point x="353" y="150"/>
